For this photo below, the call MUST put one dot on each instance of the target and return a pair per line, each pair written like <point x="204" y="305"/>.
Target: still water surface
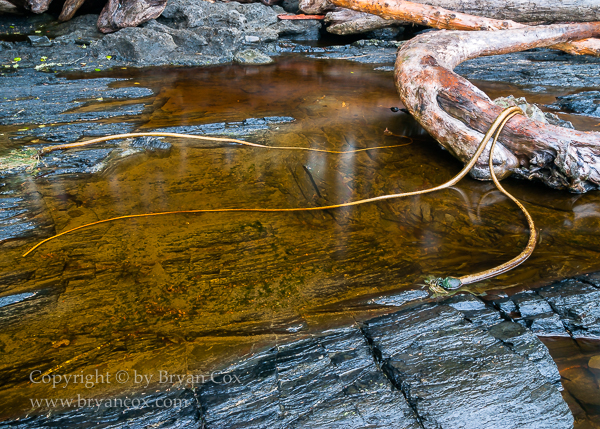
<point x="189" y="293"/>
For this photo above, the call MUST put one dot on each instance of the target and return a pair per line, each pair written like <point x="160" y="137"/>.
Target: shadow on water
<point x="189" y="293"/>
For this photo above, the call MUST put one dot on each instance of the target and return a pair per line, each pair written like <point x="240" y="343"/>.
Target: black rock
<point x="570" y="307"/>
<point x="423" y="367"/>
<point x="39" y="41"/>
<point x="535" y="68"/>
<point x="577" y="304"/>
<point x="456" y="375"/>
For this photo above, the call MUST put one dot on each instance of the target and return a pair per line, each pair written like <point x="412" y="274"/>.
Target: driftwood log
<point x="347" y="21"/>
<point x="7" y="7"/>
<point x="548" y="11"/>
<point x="69" y="9"/>
<point x="457" y="114"/>
<point x="449" y="20"/>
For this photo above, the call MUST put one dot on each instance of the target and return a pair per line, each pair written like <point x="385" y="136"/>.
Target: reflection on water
<point x="187" y="293"/>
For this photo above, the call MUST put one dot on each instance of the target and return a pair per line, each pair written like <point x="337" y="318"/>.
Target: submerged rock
<point x="252" y="56"/>
<point x="40" y="98"/>
<point x="150" y="143"/>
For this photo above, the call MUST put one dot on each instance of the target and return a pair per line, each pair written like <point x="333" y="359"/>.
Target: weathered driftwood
<point x="128" y="13"/>
<point x="69" y="9"/>
<point x="524" y="10"/>
<point x="457" y="114"/>
<point x="446" y="19"/>
<point x="35" y="6"/>
<point x="546" y="11"/>
<point x="346" y="21"/>
<point x="8" y="7"/>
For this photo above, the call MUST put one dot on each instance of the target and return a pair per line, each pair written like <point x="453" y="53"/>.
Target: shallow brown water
<point x="188" y="293"/>
<point x="579" y="366"/>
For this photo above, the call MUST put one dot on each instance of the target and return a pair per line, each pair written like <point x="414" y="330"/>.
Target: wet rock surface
<point x="42" y="98"/>
<point x="537" y="69"/>
<point x="367" y="51"/>
<point x="149" y="411"/>
<point x="187" y="33"/>
<point x="584" y="103"/>
<point x="427" y="366"/>
<point x="445" y="366"/>
<point x="567" y="308"/>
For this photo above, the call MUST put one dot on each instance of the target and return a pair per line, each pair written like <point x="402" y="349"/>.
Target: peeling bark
<point x="457" y="114"/>
<point x="69" y="9"/>
<point x="446" y="19"/>
<point x="128" y="13"/>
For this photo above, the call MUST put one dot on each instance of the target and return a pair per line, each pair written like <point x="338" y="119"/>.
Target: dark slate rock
<point x="592" y="278"/>
<point x="39" y="41"/>
<point x="73" y="162"/>
<point x="375" y="52"/>
<point x="583" y="103"/>
<point x="278" y="119"/>
<point x="324" y="381"/>
<point x="39" y="98"/>
<point x="547" y="325"/>
<point x="577" y="304"/>
<point x="526" y="344"/>
<point x="456" y="375"/>
<point x="29" y="108"/>
<point x="423" y="367"/>
<point x="530" y="304"/>
<point x="532" y="311"/>
<point x="13" y="299"/>
<point x="465" y="303"/>
<point x="474" y="310"/>
<point x="70" y="133"/>
<point x="146" y="412"/>
<point x="400" y="298"/>
<point x="22" y="216"/>
<point x="240" y="128"/>
<point x="535" y="68"/>
<point x="507" y="307"/>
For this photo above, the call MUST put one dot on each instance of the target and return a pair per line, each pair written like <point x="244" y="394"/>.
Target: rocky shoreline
<point x="461" y="362"/>
<point x="458" y="363"/>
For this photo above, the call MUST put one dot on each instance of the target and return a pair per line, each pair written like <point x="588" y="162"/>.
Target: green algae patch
<point x="19" y="159"/>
